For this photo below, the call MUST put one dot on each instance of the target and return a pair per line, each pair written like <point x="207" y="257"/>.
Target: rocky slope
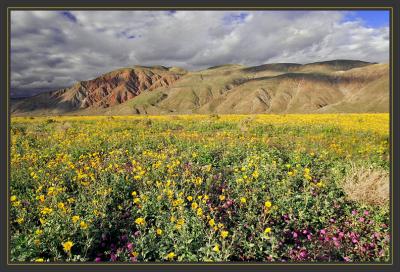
<point x="323" y="87"/>
<point x="105" y="91"/>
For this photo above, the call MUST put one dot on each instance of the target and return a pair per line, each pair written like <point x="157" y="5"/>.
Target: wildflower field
<point x="199" y="188"/>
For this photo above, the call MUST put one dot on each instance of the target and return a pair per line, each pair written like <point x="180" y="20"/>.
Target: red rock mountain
<point x="108" y="90"/>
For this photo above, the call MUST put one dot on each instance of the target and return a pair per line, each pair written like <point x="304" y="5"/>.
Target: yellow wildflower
<point x="67" y="246"/>
<point x="46" y="211"/>
<point x="50" y="190"/>
<point x="224" y="234"/>
<point x="170" y="256"/>
<point x="83" y="225"/>
<point x="211" y="222"/>
<point x="140" y="221"/>
<point x="255" y="174"/>
<point x="267" y="204"/>
<point x="135" y="254"/>
<point x="180" y="223"/>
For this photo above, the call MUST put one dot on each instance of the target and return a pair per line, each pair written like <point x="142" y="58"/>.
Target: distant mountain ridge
<point x="328" y="86"/>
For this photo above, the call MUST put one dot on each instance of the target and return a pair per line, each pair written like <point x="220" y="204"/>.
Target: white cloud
<point x="50" y="50"/>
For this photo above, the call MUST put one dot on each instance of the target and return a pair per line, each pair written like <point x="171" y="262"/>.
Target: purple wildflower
<point x="129" y="246"/>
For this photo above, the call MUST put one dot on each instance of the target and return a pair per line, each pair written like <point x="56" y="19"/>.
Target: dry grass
<point x="367" y="186"/>
<point x="244" y="124"/>
<point x="64" y="126"/>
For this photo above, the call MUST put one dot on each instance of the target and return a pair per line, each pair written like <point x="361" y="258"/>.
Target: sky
<point x="55" y="49"/>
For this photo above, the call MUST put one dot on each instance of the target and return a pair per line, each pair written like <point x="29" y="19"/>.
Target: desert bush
<point x="367" y="185"/>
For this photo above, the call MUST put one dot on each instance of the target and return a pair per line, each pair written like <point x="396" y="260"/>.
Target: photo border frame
<point x="8" y="5"/>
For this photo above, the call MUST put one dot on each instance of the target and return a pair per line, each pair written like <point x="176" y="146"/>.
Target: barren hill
<point x="108" y="90"/>
<point x="331" y="86"/>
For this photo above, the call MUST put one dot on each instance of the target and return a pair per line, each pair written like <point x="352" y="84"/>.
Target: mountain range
<point x="322" y="87"/>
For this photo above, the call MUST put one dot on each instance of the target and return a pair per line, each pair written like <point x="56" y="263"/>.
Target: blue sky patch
<point x="370" y="18"/>
<point x="235" y="18"/>
<point x="69" y="16"/>
<point x="127" y="35"/>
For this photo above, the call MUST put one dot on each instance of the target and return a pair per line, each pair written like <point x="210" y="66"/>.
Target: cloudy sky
<point x="54" y="49"/>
